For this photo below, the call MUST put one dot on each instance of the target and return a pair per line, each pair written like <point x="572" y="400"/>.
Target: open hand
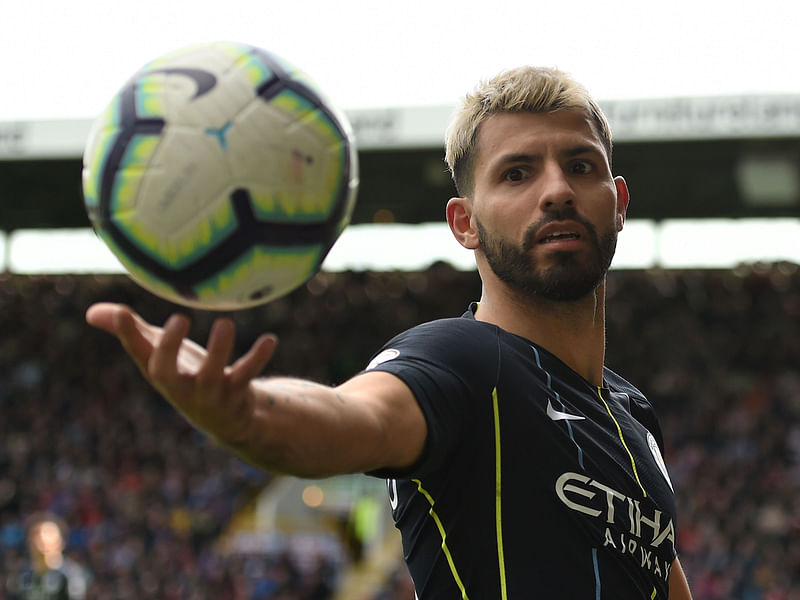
<point x="214" y="396"/>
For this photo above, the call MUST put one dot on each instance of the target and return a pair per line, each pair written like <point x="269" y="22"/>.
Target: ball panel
<point x="139" y="273"/>
<point x="167" y="196"/>
<point x="208" y="230"/>
<point x="308" y="162"/>
<point x="102" y="137"/>
<point x="131" y="171"/>
<point x="142" y="239"/>
<point x="310" y="182"/>
<point x="189" y="173"/>
<point x="256" y="141"/>
<point x="94" y="164"/>
<point x="256" y="71"/>
<point x="319" y="158"/>
<point x="150" y="101"/>
<point x="187" y="97"/>
<point x="201" y="235"/>
<point x="125" y="193"/>
<point x="261" y="274"/>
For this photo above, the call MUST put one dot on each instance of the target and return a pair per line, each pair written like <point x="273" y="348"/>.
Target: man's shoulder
<point x="450" y="328"/>
<point x="640" y="407"/>
<point x="456" y="341"/>
<point x="617" y="383"/>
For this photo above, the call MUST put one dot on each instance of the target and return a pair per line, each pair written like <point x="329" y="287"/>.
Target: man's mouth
<point x="559" y="236"/>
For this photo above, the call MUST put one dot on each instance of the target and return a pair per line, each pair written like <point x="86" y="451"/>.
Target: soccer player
<point x="518" y="465"/>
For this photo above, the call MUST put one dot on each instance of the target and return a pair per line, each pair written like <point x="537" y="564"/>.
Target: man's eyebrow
<point x="531" y="157"/>
<point x="528" y="157"/>
<point x="582" y="149"/>
<point x="517" y="157"/>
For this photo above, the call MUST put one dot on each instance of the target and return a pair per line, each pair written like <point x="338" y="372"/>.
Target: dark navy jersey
<point x="533" y="483"/>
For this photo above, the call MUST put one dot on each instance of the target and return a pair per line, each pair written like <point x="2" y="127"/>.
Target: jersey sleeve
<point x="442" y="365"/>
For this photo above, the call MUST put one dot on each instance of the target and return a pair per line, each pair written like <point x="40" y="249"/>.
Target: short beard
<point x="568" y="280"/>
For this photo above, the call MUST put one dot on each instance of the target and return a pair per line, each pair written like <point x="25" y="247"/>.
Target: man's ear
<point x="623" y="198"/>
<point x="459" y="218"/>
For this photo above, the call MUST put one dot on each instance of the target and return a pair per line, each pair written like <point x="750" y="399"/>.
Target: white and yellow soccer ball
<point x="220" y="176"/>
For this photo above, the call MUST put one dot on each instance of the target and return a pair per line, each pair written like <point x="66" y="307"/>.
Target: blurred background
<point x="703" y="307"/>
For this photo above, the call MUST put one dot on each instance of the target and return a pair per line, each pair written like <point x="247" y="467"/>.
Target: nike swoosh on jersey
<point x="557" y="415"/>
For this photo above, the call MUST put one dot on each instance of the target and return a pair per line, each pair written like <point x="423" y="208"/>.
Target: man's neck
<point x="572" y="331"/>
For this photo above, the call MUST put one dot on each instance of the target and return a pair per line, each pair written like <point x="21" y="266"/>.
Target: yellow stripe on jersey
<point x="498" y="513"/>
<point x="622" y="439"/>
<point x="498" y="496"/>
<point x="445" y="549"/>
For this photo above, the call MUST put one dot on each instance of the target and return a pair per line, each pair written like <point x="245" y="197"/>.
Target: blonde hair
<point x="524" y="89"/>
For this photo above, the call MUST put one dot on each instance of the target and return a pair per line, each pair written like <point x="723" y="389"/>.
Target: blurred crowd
<point x="142" y="499"/>
<point x="718" y="353"/>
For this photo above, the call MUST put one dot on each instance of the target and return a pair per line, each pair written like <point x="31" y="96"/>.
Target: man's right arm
<point x="368" y="423"/>
<point x="289" y="425"/>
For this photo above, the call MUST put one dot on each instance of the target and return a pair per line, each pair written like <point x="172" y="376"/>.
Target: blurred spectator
<point x="49" y="575"/>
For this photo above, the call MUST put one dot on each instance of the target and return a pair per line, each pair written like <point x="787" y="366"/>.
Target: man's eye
<point x="515" y="174"/>
<point x="582" y="167"/>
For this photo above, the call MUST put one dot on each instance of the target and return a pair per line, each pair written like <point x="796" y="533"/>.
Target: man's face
<point x="545" y="205"/>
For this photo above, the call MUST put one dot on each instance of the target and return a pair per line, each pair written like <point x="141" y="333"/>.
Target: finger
<point x="163" y="362"/>
<point x="125" y="325"/>
<point x="220" y="347"/>
<point x="250" y="365"/>
<point x="109" y="317"/>
<point x="102" y="315"/>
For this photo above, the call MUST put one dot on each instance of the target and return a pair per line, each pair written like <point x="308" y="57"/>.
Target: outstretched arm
<point x="281" y="424"/>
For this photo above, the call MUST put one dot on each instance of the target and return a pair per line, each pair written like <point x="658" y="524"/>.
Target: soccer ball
<point x="220" y="176"/>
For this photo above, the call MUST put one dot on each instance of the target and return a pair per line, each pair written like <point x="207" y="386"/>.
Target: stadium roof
<point x="667" y="119"/>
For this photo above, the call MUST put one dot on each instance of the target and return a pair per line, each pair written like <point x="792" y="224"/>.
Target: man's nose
<point x="556" y="191"/>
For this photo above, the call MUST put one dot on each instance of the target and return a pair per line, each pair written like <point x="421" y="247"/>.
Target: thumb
<point x="108" y="316"/>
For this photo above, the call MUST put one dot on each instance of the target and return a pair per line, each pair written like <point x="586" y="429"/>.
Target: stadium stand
<point x="147" y="501"/>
